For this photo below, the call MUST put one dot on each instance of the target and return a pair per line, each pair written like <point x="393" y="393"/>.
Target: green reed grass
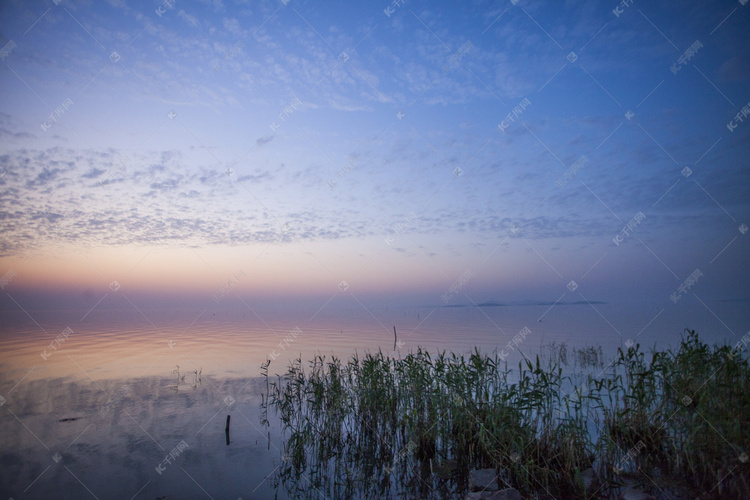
<point x="377" y="426"/>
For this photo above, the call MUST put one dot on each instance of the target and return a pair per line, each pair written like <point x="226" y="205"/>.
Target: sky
<point x="406" y="153"/>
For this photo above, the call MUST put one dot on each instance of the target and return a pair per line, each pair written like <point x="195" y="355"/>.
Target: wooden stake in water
<point x="226" y="430"/>
<point x="395" y="337"/>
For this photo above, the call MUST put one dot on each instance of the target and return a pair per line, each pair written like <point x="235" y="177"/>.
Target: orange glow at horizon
<point x="283" y="270"/>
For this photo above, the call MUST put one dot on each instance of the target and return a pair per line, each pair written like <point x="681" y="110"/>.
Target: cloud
<point x="255" y="177"/>
<point x="93" y="173"/>
<point x="260" y="141"/>
<point x="153" y="204"/>
<point x="5" y="133"/>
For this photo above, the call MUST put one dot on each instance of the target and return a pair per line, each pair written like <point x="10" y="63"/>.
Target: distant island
<point x="529" y="303"/>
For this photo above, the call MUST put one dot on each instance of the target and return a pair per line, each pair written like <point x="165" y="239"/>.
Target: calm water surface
<point x="134" y="404"/>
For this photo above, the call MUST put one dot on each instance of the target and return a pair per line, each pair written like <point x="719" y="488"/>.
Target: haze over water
<point x="191" y="189"/>
<point x="109" y="344"/>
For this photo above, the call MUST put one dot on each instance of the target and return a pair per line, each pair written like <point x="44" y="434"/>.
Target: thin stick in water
<point x="226" y="430"/>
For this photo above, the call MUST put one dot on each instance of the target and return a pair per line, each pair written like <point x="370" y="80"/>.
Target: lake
<point x="133" y="404"/>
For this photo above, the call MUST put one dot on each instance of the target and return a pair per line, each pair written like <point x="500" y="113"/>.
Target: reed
<point x="379" y="426"/>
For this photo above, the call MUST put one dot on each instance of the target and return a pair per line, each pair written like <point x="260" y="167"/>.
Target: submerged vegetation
<point x="379" y="426"/>
<point x="181" y="378"/>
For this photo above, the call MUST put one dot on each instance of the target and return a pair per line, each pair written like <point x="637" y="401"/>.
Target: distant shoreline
<point x="536" y="303"/>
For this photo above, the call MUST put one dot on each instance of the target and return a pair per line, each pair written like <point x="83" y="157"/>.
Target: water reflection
<point x="117" y="344"/>
<point x="136" y="438"/>
<point x="122" y="392"/>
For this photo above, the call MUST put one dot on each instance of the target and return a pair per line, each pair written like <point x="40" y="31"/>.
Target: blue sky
<point x="499" y="149"/>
